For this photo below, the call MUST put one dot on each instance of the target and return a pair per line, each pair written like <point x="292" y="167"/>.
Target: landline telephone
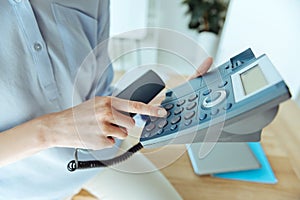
<point x="240" y="97"/>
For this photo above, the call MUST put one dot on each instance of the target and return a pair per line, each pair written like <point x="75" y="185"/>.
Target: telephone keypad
<point x="203" y="102"/>
<point x="191" y="109"/>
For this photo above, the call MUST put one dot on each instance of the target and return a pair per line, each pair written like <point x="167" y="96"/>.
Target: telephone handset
<point x="144" y="89"/>
<point x="237" y="99"/>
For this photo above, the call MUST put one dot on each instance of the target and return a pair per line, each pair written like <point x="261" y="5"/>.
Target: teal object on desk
<point x="263" y="175"/>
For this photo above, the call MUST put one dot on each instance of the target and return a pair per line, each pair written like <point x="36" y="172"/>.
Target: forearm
<point x="90" y="125"/>
<point x="24" y="140"/>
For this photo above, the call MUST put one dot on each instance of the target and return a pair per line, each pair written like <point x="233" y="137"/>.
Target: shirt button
<point x="18" y="1"/>
<point x="37" y="46"/>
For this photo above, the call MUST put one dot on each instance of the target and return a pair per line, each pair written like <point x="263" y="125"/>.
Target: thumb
<point x="203" y="68"/>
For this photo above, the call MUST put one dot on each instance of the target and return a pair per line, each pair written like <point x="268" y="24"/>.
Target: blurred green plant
<point x="206" y="15"/>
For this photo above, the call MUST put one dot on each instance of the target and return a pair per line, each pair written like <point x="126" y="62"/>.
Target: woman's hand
<point x="90" y="125"/>
<point x="95" y="123"/>
<point x="203" y="68"/>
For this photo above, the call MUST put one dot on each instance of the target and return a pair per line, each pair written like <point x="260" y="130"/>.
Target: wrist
<point x="45" y="133"/>
<point x="56" y="129"/>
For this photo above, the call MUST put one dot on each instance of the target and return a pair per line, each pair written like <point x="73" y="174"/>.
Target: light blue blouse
<point x="42" y="46"/>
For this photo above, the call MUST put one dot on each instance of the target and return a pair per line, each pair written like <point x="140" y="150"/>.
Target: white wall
<point x="127" y="15"/>
<point x="269" y="26"/>
<point x="171" y="15"/>
<point x="129" y="18"/>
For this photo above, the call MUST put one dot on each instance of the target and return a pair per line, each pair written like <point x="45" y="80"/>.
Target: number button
<point x="193" y="97"/>
<point x="187" y="123"/>
<point x="207" y="92"/>
<point x="173" y="127"/>
<point x="180" y="102"/>
<point x="189" y="115"/>
<point x="227" y="106"/>
<point x="223" y="84"/>
<point x="160" y="131"/>
<point x="162" y="123"/>
<point x="178" y="110"/>
<point x="190" y="106"/>
<point x="146" y="134"/>
<point x="150" y="127"/>
<point x="202" y="116"/>
<point x="214" y="112"/>
<point x="153" y="119"/>
<point x="175" y="120"/>
<point x="169" y="106"/>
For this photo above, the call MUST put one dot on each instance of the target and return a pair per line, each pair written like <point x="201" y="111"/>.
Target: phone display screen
<point x="253" y="80"/>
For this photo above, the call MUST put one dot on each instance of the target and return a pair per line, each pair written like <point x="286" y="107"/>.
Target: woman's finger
<point x="138" y="107"/>
<point x="109" y="130"/>
<point x="121" y="119"/>
<point x="203" y="68"/>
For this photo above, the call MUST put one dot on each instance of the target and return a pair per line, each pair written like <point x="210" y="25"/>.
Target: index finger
<point x="137" y="107"/>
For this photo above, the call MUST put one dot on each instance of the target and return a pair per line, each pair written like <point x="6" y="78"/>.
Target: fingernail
<point x="161" y="112"/>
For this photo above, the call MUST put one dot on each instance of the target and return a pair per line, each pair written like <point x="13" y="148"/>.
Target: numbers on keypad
<point x="188" y="111"/>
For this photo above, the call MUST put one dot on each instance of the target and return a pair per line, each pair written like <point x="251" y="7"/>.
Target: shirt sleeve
<point x="105" y="78"/>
